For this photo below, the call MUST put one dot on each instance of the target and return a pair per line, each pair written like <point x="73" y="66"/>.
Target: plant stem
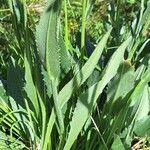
<point x="137" y="31"/>
<point x="66" y="25"/>
<point x="83" y="28"/>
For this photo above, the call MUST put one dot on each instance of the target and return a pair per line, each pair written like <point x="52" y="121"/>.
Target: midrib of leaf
<point x="47" y="39"/>
<point x="52" y="52"/>
<point x="52" y="60"/>
<point x="53" y="32"/>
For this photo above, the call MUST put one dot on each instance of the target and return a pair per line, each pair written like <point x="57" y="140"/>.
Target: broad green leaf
<point x="140" y="71"/>
<point x="88" y="99"/>
<point x="31" y="89"/>
<point x="122" y="83"/>
<point x="117" y="144"/>
<point x="142" y="126"/>
<point x="144" y="80"/>
<point x="119" y="87"/>
<point x="140" y="108"/>
<point x="47" y="39"/>
<point x="139" y="100"/>
<point x="144" y="105"/>
<point x="94" y="77"/>
<point x="48" y="36"/>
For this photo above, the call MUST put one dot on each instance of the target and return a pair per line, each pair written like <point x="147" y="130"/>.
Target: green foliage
<point x="117" y="144"/>
<point x="88" y="99"/>
<point x="55" y="94"/>
<point x="48" y="33"/>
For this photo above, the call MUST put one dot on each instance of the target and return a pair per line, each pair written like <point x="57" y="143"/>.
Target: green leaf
<point x="88" y="99"/>
<point x="48" y="83"/>
<point x="140" y="87"/>
<point x="146" y="18"/>
<point x="31" y="94"/>
<point x="142" y="126"/>
<point x="122" y="83"/>
<point x="144" y="105"/>
<point x="119" y="87"/>
<point x="117" y="144"/>
<point x="3" y="96"/>
<point x="47" y="39"/>
<point x="65" y="57"/>
<point x="94" y="77"/>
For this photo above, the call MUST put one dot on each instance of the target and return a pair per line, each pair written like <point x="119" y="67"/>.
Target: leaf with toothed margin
<point x="47" y="38"/>
<point x="65" y="56"/>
